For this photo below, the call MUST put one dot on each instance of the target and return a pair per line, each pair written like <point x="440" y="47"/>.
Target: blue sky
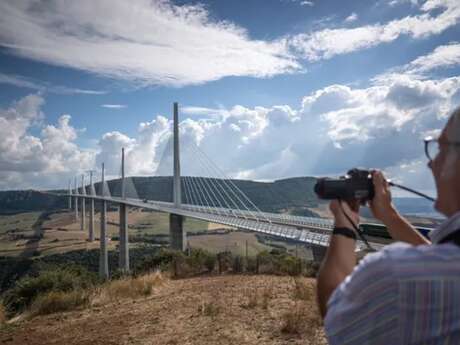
<point x="268" y="88"/>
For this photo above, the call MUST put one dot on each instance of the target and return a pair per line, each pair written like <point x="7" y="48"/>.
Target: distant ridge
<point x="295" y="194"/>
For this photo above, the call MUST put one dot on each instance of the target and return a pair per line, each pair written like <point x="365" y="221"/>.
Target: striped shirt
<point x="402" y="294"/>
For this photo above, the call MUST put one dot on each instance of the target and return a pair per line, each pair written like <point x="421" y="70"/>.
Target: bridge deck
<point x="315" y="231"/>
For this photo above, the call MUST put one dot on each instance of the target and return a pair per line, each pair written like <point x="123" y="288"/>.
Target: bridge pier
<point x="178" y="237"/>
<point x="91" y="209"/>
<point x="91" y="221"/>
<point x="318" y="252"/>
<point x="76" y="201"/>
<point x="83" y="204"/>
<point x="123" y="235"/>
<point x="70" y="192"/>
<point x="103" y="253"/>
<point x="124" y="243"/>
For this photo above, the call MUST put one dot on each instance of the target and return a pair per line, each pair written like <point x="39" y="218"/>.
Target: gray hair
<point x="453" y="155"/>
<point x="453" y="130"/>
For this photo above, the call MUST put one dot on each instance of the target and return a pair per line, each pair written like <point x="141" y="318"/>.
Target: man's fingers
<point x="352" y="205"/>
<point x="379" y="181"/>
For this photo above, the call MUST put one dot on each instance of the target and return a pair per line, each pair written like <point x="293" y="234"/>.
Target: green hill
<point x="294" y="194"/>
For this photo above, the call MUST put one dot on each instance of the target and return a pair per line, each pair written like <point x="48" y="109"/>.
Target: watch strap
<point x="344" y="232"/>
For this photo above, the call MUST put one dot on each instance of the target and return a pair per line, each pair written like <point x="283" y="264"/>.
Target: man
<point x="409" y="292"/>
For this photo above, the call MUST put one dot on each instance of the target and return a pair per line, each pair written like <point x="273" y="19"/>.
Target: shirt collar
<point x="447" y="227"/>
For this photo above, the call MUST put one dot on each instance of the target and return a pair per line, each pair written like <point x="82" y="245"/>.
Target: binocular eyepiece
<point x="356" y="184"/>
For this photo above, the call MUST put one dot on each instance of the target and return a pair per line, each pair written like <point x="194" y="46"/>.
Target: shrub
<point x="200" y="260"/>
<point x="49" y="278"/>
<point x="266" y="262"/>
<point x="160" y="260"/>
<point x="209" y="308"/>
<point x="252" y="265"/>
<point x="311" y="269"/>
<point x="224" y="260"/>
<point x="288" y="264"/>
<point x="237" y="265"/>
<point x="133" y="287"/>
<point x="210" y="262"/>
<point x="58" y="301"/>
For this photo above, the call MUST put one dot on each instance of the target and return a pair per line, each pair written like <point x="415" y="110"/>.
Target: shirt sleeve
<point x="363" y="309"/>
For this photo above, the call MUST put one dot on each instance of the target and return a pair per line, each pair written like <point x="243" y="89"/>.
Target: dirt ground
<point x="207" y="310"/>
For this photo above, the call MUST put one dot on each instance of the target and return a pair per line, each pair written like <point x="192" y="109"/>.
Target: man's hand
<point x="381" y="205"/>
<point x="382" y="208"/>
<point x="339" y="208"/>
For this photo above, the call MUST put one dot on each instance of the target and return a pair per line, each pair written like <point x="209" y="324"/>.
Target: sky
<point x="267" y="89"/>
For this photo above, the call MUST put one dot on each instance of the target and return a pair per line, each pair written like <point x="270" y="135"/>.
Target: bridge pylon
<point x="178" y="238"/>
<point x="123" y="235"/>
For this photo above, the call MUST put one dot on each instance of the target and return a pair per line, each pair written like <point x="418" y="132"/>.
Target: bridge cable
<point x="214" y="181"/>
<point x="232" y="201"/>
<point x="231" y="183"/>
<point x="228" y="182"/>
<point x="224" y="190"/>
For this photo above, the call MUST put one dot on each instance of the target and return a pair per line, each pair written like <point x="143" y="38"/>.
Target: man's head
<point x="446" y="167"/>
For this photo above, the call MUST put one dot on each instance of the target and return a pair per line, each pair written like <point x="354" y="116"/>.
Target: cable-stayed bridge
<point x="214" y="198"/>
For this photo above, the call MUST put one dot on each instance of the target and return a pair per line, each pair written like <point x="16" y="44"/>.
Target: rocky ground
<point x="228" y="309"/>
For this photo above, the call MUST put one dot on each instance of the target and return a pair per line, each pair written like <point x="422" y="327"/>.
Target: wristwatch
<point x="344" y="232"/>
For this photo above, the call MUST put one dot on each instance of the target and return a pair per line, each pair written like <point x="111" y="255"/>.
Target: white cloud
<point x="114" y="106"/>
<point x="442" y="57"/>
<point x="399" y="2"/>
<point x="29" y="83"/>
<point x="307" y="3"/>
<point x="147" y="42"/>
<point x="327" y="43"/>
<point x="27" y="158"/>
<point x="333" y="129"/>
<point x="351" y="18"/>
<point x="204" y="112"/>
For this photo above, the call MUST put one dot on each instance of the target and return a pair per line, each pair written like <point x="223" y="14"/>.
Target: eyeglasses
<point x="432" y="146"/>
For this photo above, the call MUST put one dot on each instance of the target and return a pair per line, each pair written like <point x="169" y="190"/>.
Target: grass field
<point x="32" y="234"/>
<point x="60" y="233"/>
<point x="21" y="222"/>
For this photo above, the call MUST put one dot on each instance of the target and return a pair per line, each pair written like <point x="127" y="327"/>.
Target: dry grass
<point x="133" y="288"/>
<point x="303" y="290"/>
<point x="2" y="314"/>
<point x="257" y="297"/>
<point x="209" y="308"/>
<point x="266" y="297"/>
<point x="292" y="321"/>
<point x="301" y="320"/>
<point x="304" y="317"/>
<point x="54" y="302"/>
<point x="205" y="310"/>
<point x="251" y="297"/>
